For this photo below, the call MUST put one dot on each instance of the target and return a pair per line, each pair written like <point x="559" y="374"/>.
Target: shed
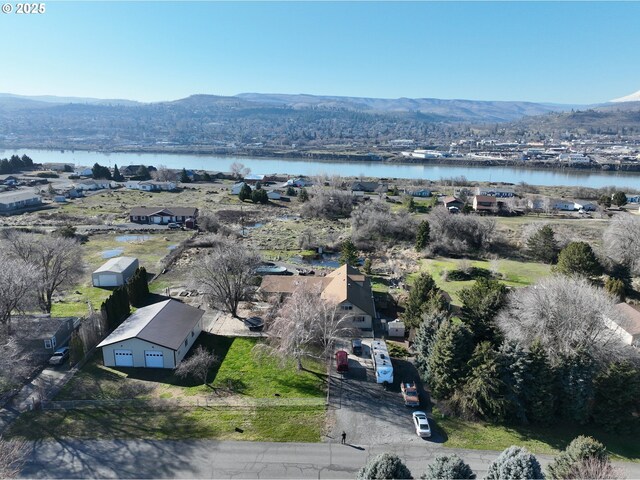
<point x="156" y="336"/>
<point x="115" y="272"/>
<point x="396" y="328"/>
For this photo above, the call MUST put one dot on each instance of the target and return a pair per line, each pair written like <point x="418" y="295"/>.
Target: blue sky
<point x="573" y="52"/>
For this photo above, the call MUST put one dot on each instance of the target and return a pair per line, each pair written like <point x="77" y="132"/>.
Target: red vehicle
<point x="342" y="361"/>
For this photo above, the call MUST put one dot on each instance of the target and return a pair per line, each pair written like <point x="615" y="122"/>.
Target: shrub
<point x="515" y="463"/>
<point x="384" y="466"/>
<point x="329" y="204"/>
<point x="373" y="224"/>
<point x="448" y="467"/>
<point x="580" y="449"/>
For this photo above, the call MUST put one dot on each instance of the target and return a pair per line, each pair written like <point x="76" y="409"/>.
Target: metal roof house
<point x="10" y="201"/>
<point x="115" y="272"/>
<point x="156" y="336"/>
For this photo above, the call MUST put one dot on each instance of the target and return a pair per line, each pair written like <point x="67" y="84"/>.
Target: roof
<point x="345" y="284"/>
<point x="632" y="315"/>
<point x="165" y="211"/>
<point x="485" y="199"/>
<point x="11" y="197"/>
<point x="117" y="264"/>
<point x="450" y="199"/>
<point x="166" y="324"/>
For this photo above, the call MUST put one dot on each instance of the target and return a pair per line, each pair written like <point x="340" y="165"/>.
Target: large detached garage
<point x="115" y="272"/>
<point x="157" y="336"/>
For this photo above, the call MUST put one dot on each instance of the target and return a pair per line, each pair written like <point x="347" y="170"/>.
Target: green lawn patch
<point x="545" y="440"/>
<point x="278" y="424"/>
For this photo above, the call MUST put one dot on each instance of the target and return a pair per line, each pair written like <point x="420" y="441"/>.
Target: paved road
<point x="214" y="459"/>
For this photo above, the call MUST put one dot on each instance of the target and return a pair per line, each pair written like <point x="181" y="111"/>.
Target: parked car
<point x="421" y="422"/>
<point x="356" y="346"/>
<point x="59" y="356"/>
<point x="342" y="361"/>
<point x="410" y="394"/>
<point x="174" y="226"/>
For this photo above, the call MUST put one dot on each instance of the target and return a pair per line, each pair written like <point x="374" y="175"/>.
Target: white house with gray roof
<point x="157" y="336"/>
<point x="16" y="200"/>
<point x="115" y="272"/>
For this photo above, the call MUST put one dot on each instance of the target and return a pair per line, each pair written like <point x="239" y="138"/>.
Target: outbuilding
<point x="115" y="272"/>
<point x="156" y="336"/>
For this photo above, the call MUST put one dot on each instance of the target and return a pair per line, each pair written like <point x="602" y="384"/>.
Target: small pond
<point x="172" y="247"/>
<point x="114" y="252"/>
<point x="132" y="238"/>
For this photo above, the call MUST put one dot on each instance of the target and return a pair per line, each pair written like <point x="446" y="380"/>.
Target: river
<point x="587" y="178"/>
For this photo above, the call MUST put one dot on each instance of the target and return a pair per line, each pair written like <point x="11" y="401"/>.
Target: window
<point x="47" y="343"/>
<point x="186" y="342"/>
<point x="192" y="334"/>
<point x="347" y="307"/>
<point x="358" y="319"/>
<point x="53" y="342"/>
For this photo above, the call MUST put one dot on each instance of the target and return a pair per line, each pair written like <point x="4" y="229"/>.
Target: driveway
<point x="366" y="412"/>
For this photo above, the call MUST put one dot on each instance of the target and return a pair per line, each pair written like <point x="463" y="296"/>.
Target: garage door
<point x="124" y="358"/>
<point x="108" y="280"/>
<point x="153" y="359"/>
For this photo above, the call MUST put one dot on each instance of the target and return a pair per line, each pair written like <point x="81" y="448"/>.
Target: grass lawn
<point x="476" y="435"/>
<point x="279" y="424"/>
<point x="514" y="273"/>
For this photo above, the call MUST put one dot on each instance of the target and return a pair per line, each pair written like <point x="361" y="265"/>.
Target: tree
<point x="259" y="196"/>
<point x="16" y="364"/>
<point x="100" y="172"/>
<point x="163" y="174"/>
<point x="13" y="454"/>
<point x="410" y="203"/>
<point x="225" y="274"/>
<point x="617" y="394"/>
<point x="68" y="231"/>
<point x="76" y="348"/>
<point x="239" y="171"/>
<point x="616" y="288"/>
<point x="575" y="374"/>
<point x="384" y="466"/>
<point x="184" y="178"/>
<point x="303" y="196"/>
<point x="515" y="463"/>
<point x="580" y="449"/>
<point x="542" y="245"/>
<point x="482" y="392"/>
<point x="307" y="325"/>
<point x="566" y="315"/>
<point x="18" y="283"/>
<point x="58" y="262"/>
<point x="480" y="305"/>
<point x="197" y="365"/>
<point x="459" y="233"/>
<point x="514" y="372"/>
<point x="138" y="287"/>
<point x="348" y="254"/>
<point x="425" y="338"/>
<point x="604" y="201"/>
<point x="143" y="173"/>
<point x="447" y="365"/>
<point x="367" y="266"/>
<point x="245" y="193"/>
<point x="448" y="467"/>
<point x="540" y="396"/>
<point x="258" y="185"/>
<point x="330" y="204"/>
<point x="291" y="192"/>
<point x="619" y="199"/>
<point x="622" y="241"/>
<point x="578" y="258"/>
<point x="117" y="176"/>
<point x="422" y="237"/>
<point x="424" y="298"/>
<point x="373" y="223"/>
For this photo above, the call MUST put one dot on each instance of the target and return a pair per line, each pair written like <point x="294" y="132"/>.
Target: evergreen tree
<point x="291" y="192"/>
<point x="581" y="448"/>
<point x="425" y="298"/>
<point x="410" y="204"/>
<point x="100" y="172"/>
<point x="540" y="395"/>
<point x="448" y="467"/>
<point x="480" y="305"/>
<point x="616" y="288"/>
<point x="422" y="237"/>
<point x="542" y="245"/>
<point x="184" y="178"/>
<point x="258" y="186"/>
<point x="515" y="463"/>
<point x="76" y="349"/>
<point x="245" y="193"/>
<point x="349" y="253"/>
<point x="617" y="397"/>
<point x="448" y="362"/>
<point x="578" y="258"/>
<point x="117" y="176"/>
<point x="604" y="201"/>
<point x="303" y="196"/>
<point x="515" y="373"/>
<point x="260" y="196"/>
<point x="575" y="376"/>
<point x="619" y="199"/>
<point x="367" y="266"/>
<point x="482" y="393"/>
<point x="384" y="466"/>
<point x="143" y="173"/>
<point x="424" y="340"/>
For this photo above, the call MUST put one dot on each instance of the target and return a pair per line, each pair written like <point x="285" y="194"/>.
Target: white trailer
<point x="381" y="362"/>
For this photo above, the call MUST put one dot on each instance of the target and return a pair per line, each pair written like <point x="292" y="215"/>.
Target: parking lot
<point x="368" y="413"/>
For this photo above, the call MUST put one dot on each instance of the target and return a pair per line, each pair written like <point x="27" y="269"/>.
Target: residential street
<point x="214" y="459"/>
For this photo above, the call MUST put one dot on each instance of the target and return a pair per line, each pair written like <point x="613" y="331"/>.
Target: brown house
<point x="485" y="203"/>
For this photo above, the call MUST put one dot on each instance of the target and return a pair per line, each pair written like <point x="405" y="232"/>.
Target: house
<point x="345" y="286"/>
<point x="130" y="170"/>
<point x="273" y="195"/>
<point x="11" y="180"/>
<point x="115" y="272"/>
<point x="450" y="202"/>
<point x="485" y="203"/>
<point x="58" y="167"/>
<point x="254" y="178"/>
<point x="564" y="205"/>
<point x="41" y="335"/>
<point x="162" y="215"/>
<point x="59" y="199"/>
<point x="156" y="336"/>
<point x="235" y="189"/>
<point x="368" y="187"/>
<point x="420" y="193"/>
<point x="500" y="192"/>
<point x="84" y="172"/>
<point x="633" y="198"/>
<point x="297" y="182"/>
<point x="537" y="204"/>
<point x="150" y="185"/>
<point x="98" y="184"/>
<point x="586" y="206"/>
<point x="628" y="327"/>
<point x="17" y="200"/>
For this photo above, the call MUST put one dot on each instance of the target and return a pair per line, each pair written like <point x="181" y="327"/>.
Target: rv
<point x="381" y="362"/>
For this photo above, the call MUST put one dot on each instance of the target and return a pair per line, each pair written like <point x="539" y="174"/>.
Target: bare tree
<point x="622" y="241"/>
<point x="58" y="261"/>
<point x="595" y="468"/>
<point x="565" y="314"/>
<point x="15" y="364"/>
<point x="307" y="325"/>
<point x="331" y="204"/>
<point x="197" y="365"/>
<point x="459" y="233"/>
<point x="18" y="283"/>
<point x="163" y="174"/>
<point x="13" y="454"/>
<point x="238" y="170"/>
<point x="225" y="274"/>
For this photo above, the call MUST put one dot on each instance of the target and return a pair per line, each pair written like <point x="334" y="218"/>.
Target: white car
<point x="421" y="422"/>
